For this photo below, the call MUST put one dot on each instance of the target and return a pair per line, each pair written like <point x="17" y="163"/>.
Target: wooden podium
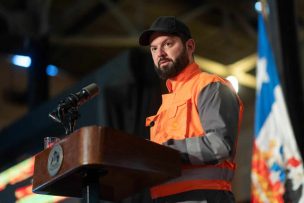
<point x="118" y="164"/>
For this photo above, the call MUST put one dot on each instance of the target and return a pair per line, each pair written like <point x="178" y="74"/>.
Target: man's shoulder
<point x="205" y="78"/>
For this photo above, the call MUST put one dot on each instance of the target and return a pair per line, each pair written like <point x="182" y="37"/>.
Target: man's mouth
<point x="164" y="61"/>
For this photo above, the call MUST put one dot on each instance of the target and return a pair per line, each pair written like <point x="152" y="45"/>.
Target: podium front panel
<point x="126" y="164"/>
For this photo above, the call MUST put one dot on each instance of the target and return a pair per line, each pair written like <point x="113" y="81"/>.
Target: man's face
<point x="169" y="54"/>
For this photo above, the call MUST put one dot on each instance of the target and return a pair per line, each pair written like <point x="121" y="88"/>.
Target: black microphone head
<point x="92" y="90"/>
<point x="81" y="97"/>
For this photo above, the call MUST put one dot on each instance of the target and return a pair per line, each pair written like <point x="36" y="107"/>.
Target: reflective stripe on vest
<point x="199" y="178"/>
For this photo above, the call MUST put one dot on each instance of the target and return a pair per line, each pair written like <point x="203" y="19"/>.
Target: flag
<point x="277" y="170"/>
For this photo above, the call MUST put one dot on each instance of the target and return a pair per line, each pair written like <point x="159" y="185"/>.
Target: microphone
<point x="73" y="101"/>
<point x="81" y="97"/>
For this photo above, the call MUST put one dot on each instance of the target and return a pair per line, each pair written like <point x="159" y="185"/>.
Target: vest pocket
<point x="177" y="108"/>
<point x="177" y="120"/>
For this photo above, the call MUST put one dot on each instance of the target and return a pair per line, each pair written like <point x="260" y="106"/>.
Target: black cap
<point x="165" y="24"/>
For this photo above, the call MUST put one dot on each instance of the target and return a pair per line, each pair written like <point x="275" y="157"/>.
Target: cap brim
<point x="144" y="38"/>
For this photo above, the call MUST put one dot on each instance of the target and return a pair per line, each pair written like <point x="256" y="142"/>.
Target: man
<point x="200" y="117"/>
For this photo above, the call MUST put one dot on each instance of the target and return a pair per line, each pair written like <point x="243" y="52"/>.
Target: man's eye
<point x="168" y="44"/>
<point x="153" y="49"/>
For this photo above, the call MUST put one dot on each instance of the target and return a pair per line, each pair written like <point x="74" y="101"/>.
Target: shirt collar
<point x="177" y="81"/>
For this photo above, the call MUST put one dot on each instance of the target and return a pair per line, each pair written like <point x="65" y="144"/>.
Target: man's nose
<point x="161" y="52"/>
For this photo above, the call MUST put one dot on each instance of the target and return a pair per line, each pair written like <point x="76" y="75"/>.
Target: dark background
<point x="96" y="41"/>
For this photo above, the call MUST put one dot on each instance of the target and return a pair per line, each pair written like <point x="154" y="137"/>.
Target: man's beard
<point x="174" y="67"/>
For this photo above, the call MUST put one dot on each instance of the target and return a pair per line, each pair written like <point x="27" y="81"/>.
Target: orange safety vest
<point x="178" y="118"/>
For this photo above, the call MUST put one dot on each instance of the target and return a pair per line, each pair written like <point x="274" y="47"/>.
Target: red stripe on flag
<point x="293" y="162"/>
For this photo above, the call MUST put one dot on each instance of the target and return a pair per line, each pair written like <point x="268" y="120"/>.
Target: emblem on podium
<point x="55" y="160"/>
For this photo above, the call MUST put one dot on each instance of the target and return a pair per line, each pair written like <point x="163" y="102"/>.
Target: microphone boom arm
<point x="67" y="112"/>
<point x="66" y="117"/>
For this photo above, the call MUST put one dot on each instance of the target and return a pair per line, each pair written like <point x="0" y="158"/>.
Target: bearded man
<point x="200" y="117"/>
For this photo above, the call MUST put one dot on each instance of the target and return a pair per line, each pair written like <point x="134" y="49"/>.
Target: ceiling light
<point x="52" y="70"/>
<point x="22" y="61"/>
<point x="258" y="6"/>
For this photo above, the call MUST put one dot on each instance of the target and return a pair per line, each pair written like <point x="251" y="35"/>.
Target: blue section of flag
<point x="265" y="97"/>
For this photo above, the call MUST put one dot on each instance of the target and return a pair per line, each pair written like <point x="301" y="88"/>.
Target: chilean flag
<point x="277" y="169"/>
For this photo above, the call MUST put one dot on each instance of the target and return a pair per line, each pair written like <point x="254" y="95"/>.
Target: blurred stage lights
<point x="22" y="61"/>
<point x="52" y="70"/>
<point x="258" y="6"/>
<point x="25" y="62"/>
<point x="234" y="82"/>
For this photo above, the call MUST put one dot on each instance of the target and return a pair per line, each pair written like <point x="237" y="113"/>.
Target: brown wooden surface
<point x="131" y="164"/>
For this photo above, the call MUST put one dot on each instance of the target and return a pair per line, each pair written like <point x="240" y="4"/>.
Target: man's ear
<point x="190" y="45"/>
